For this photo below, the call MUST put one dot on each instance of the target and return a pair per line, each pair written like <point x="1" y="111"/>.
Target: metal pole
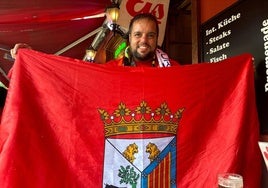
<point x="78" y="41"/>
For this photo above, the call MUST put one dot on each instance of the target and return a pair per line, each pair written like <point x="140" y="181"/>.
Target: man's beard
<point x="140" y="57"/>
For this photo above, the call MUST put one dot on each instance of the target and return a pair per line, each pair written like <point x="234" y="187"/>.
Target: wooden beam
<point x="195" y="19"/>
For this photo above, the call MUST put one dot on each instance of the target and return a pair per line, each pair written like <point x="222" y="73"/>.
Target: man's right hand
<point x="14" y="51"/>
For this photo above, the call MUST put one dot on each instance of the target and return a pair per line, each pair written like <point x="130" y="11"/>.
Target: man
<point x="142" y="50"/>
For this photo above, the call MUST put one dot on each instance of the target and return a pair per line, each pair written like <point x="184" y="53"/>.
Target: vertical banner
<point x="159" y="8"/>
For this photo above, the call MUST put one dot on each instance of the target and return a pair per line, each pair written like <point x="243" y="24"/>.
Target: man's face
<point x="143" y="40"/>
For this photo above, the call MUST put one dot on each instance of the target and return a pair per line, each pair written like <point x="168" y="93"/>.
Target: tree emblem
<point x="128" y="176"/>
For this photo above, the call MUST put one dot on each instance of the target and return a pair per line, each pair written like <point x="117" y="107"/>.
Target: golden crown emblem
<point x="140" y="119"/>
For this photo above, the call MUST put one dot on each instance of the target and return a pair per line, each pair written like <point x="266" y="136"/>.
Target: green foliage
<point x="128" y="175"/>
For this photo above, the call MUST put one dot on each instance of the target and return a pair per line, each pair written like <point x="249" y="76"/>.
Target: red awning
<point x="49" y="26"/>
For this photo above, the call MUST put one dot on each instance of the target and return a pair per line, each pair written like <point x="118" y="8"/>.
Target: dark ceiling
<point x="180" y="5"/>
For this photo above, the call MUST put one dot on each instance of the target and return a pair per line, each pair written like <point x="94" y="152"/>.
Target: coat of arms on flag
<point x="140" y="146"/>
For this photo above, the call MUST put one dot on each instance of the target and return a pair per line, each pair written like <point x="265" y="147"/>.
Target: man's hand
<point x="14" y="51"/>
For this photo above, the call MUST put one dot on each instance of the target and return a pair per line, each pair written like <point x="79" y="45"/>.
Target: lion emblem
<point x="153" y="150"/>
<point x="130" y="151"/>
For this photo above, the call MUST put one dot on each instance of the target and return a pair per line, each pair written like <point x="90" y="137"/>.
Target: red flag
<point x="67" y="123"/>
